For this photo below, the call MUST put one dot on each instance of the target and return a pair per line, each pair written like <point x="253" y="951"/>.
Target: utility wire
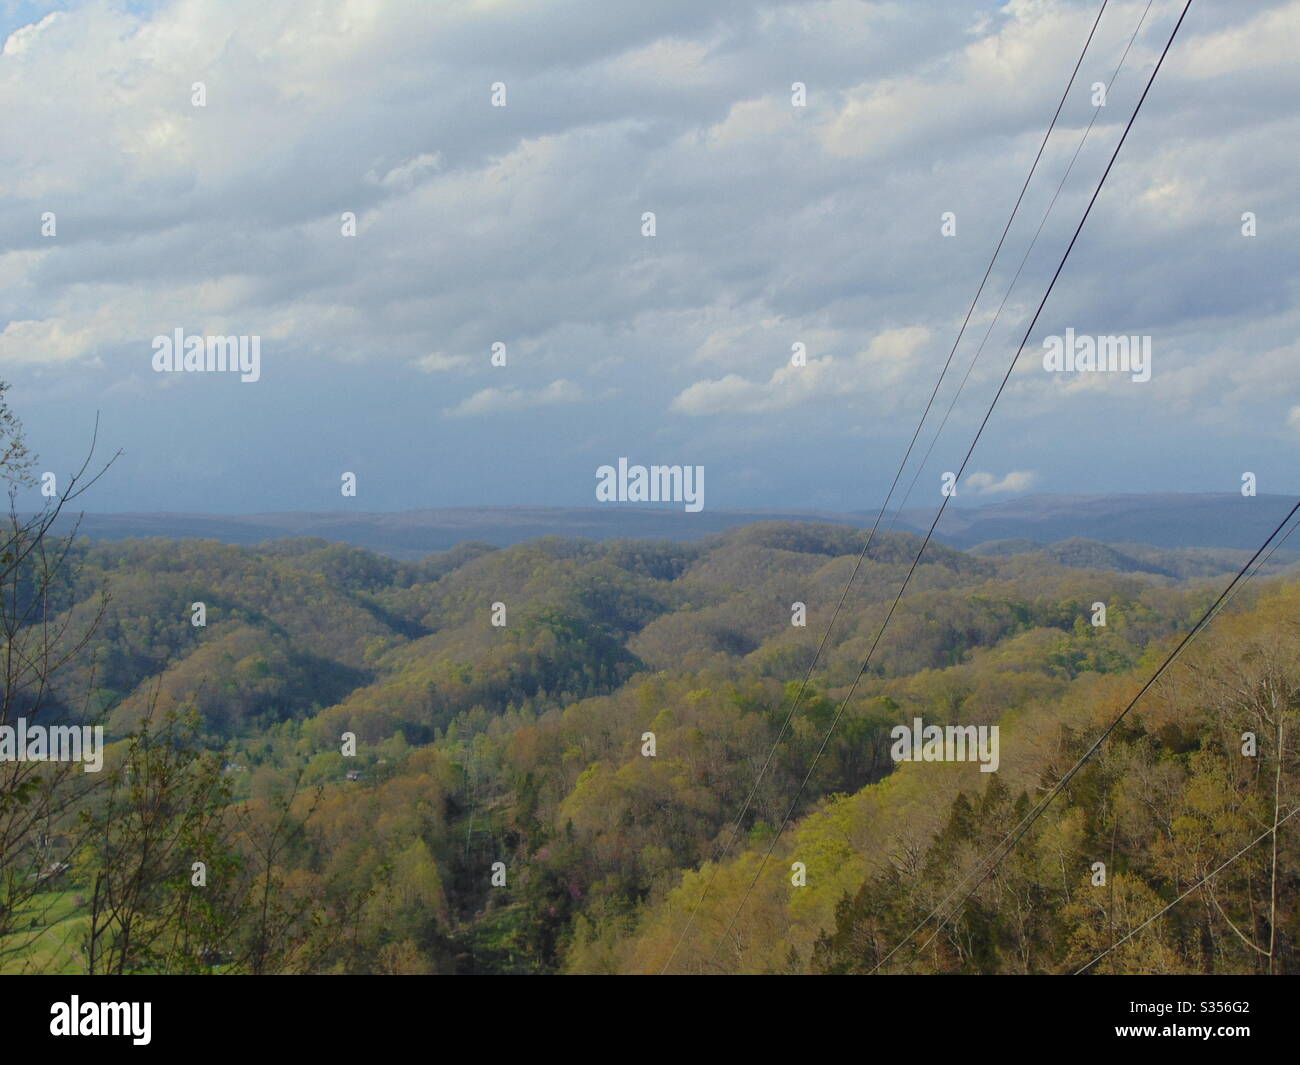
<point x="1011" y="288"/>
<point x="987" y="415"/>
<point x="1184" y="895"/>
<point x="735" y="829"/>
<point x="1014" y="837"/>
<point x="1272" y="831"/>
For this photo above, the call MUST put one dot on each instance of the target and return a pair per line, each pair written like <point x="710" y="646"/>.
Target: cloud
<point x="732" y="394"/>
<point x="885" y="361"/>
<point x="776" y="225"/>
<point x="409" y="174"/>
<point x="985" y="484"/>
<point x="500" y="400"/>
<point x="438" y="362"/>
<point x="48" y="341"/>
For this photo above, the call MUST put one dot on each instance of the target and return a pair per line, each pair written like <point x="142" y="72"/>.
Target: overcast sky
<point x="775" y="225"/>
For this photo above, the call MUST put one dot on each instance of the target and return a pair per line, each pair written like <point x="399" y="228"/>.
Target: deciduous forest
<point x="542" y="759"/>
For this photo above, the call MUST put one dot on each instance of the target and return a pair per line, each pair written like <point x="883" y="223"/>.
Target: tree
<point x="38" y="837"/>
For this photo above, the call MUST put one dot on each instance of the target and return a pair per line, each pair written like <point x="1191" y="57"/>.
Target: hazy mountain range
<point x="1117" y="526"/>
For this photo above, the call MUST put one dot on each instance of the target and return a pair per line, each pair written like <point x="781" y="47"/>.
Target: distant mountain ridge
<point x="1177" y="563"/>
<point x="1167" y="520"/>
<point x="1223" y="519"/>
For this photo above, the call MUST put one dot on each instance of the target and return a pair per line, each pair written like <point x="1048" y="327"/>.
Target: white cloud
<point x="409" y="174"/>
<point x="50" y="341"/>
<point x="886" y="361"/>
<point x="439" y="361"/>
<point x="787" y="387"/>
<point x="24" y="37"/>
<point x="499" y="400"/>
<point x="521" y="224"/>
<point x="985" y="484"/>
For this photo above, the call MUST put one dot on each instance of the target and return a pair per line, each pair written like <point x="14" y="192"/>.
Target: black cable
<point x="735" y="829"/>
<point x="984" y="422"/>
<point x="1027" y="822"/>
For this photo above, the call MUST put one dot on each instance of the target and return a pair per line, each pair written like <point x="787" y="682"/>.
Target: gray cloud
<point x="775" y="224"/>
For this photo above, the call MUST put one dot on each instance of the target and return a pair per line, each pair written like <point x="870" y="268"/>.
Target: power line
<point x="1184" y="895"/>
<point x="735" y="829"/>
<point x="1258" y="839"/>
<point x="1027" y="821"/>
<point x="987" y="415"/>
<point x="1010" y="288"/>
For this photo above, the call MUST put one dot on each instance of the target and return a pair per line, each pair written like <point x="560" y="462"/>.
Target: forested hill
<point x="553" y="739"/>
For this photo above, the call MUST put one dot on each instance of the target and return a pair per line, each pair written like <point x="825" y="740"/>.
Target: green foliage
<point x="523" y="744"/>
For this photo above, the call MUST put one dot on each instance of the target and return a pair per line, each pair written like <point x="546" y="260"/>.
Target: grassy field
<point x="49" y="940"/>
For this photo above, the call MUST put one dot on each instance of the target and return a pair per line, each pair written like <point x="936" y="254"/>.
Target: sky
<point x="775" y="225"/>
